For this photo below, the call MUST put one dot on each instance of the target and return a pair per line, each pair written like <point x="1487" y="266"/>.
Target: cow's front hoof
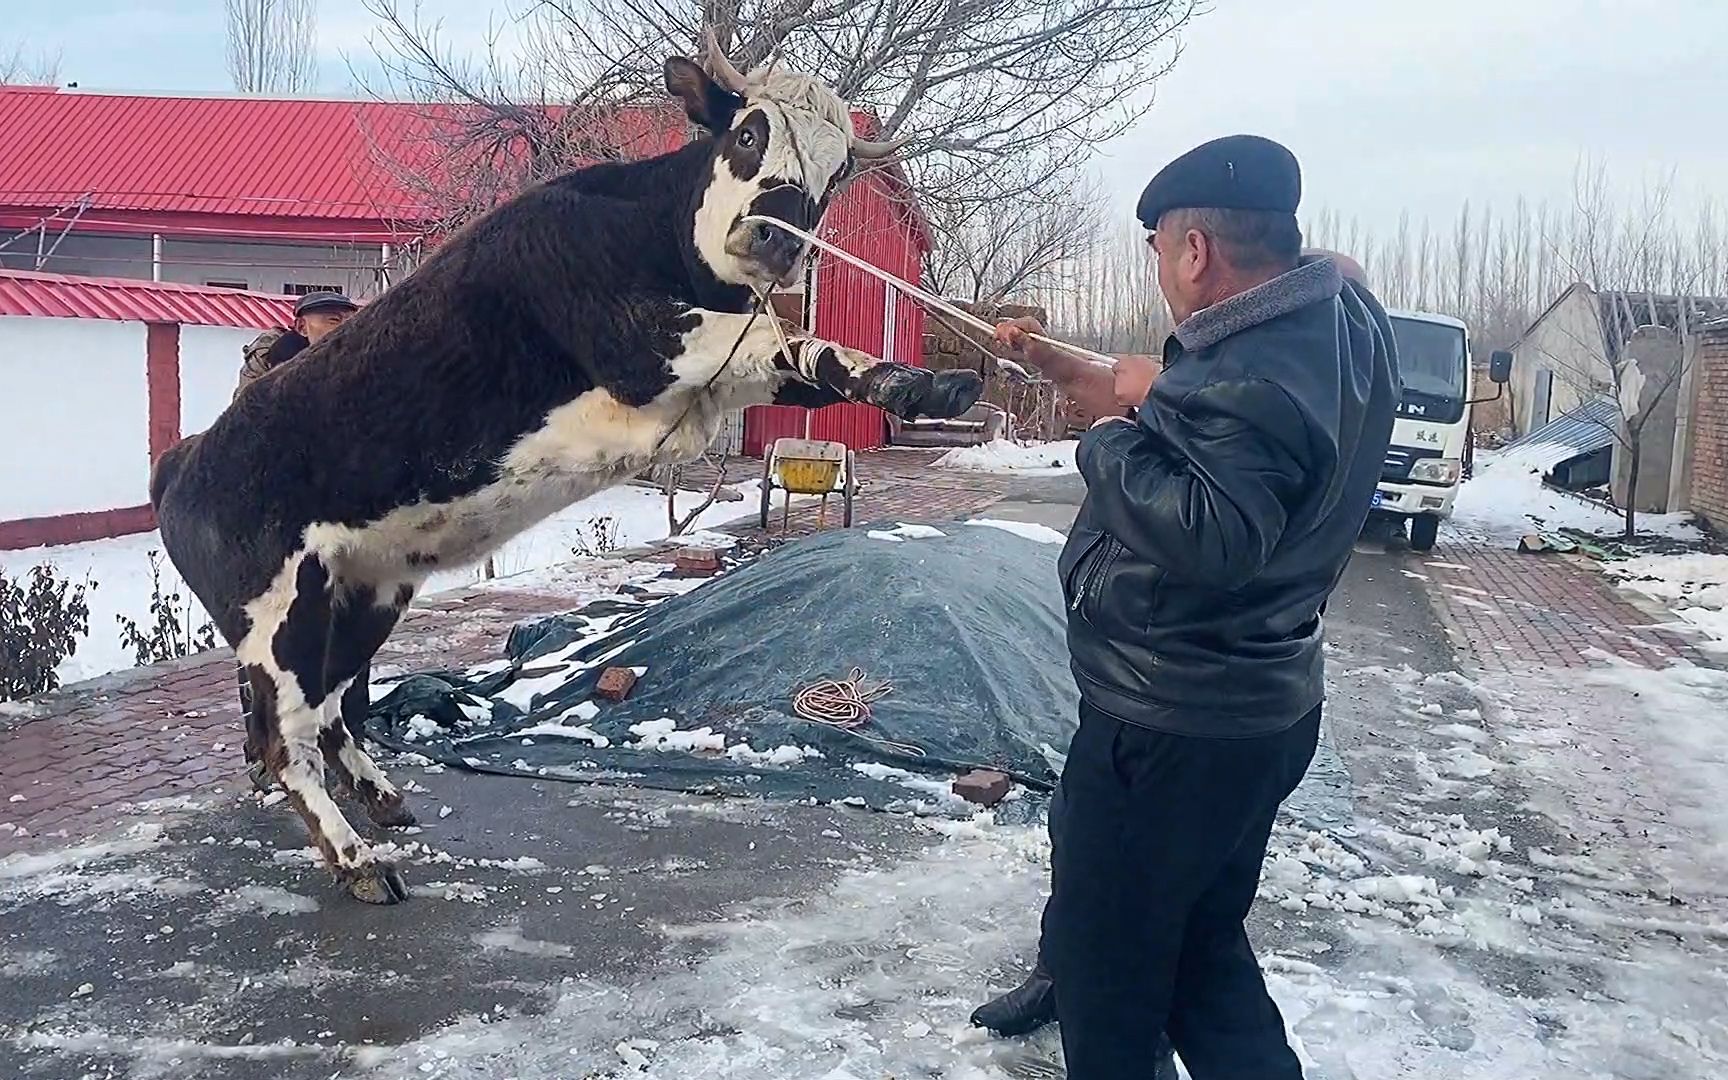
<point x="377" y="883"/>
<point x="951" y="393"/>
<point x="898" y="388"/>
<point x="390" y="813"/>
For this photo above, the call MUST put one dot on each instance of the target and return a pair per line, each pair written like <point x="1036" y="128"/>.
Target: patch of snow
<point x="1022" y="459"/>
<point x="663" y="735"/>
<point x="780" y="755"/>
<point x="1506" y="499"/>
<point x="1031" y="530"/>
<point x="581" y="733"/>
<point x="1694" y="585"/>
<point x="904" y="531"/>
<point x="421" y="726"/>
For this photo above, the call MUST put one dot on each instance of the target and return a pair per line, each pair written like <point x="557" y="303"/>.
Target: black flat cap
<point x="324" y="301"/>
<point x="1238" y="172"/>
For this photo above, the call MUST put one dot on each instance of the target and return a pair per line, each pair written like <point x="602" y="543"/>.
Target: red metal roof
<point x="25" y="292"/>
<point x="245" y="166"/>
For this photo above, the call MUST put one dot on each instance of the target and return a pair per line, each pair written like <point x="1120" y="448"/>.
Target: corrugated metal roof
<point x="297" y="160"/>
<point x="1584" y="430"/>
<point x="62" y="296"/>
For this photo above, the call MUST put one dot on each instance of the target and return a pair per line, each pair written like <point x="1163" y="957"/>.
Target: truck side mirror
<point x="1500" y="366"/>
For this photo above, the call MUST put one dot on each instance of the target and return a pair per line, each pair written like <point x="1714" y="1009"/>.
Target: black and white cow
<point x="594" y="326"/>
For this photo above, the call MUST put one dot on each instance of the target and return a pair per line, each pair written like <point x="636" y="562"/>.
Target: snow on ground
<point x="1031" y="530"/>
<point x="624" y="516"/>
<point x="1506" y="499"/>
<point x="1695" y="585"/>
<point x="1021" y="459"/>
<point x="903" y="531"/>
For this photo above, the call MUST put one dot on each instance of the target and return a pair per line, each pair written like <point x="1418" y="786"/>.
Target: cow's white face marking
<point x="790" y="142"/>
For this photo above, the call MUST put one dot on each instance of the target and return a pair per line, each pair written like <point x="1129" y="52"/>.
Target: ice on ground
<point x="268" y="900"/>
<point x="1031" y="530"/>
<point x="1021" y="459"/>
<point x="1694" y="585"/>
<point x="876" y="976"/>
<point x="903" y="531"/>
<point x="1506" y="499"/>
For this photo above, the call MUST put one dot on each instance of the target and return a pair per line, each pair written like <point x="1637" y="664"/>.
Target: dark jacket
<point x="268" y="351"/>
<point x="1217" y="522"/>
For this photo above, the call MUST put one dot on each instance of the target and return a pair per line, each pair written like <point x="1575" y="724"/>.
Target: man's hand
<point x="1015" y="335"/>
<point x="1134" y="375"/>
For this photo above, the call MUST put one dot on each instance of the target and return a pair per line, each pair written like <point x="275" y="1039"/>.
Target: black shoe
<point x="1022" y="1010"/>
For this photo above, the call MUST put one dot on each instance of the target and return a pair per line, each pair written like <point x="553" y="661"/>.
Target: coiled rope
<point x="844" y="704"/>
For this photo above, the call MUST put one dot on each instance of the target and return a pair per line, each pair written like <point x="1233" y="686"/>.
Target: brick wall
<point x="1039" y="410"/>
<point x="1709" y="493"/>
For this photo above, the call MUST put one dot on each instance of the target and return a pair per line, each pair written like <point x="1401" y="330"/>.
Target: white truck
<point x="1430" y="448"/>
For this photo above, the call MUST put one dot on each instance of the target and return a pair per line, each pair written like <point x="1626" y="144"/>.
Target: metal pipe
<point x="155" y="256"/>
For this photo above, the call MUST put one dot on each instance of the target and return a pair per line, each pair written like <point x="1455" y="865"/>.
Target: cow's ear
<point x="706" y="102"/>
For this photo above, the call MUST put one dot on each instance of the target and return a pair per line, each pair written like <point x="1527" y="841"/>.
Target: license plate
<point x="1379" y="497"/>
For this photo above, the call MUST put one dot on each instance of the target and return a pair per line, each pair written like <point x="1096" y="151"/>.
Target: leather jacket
<point x="1219" y="519"/>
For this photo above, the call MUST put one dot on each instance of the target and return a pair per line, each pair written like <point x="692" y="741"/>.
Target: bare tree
<point x="990" y="253"/>
<point x="29" y="68"/>
<point x="1001" y="99"/>
<point x="1108" y="296"/>
<point x="271" y="45"/>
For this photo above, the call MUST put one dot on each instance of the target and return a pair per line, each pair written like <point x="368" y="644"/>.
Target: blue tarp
<point x="968" y="626"/>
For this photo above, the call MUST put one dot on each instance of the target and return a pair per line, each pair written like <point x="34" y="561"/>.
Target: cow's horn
<point x="871" y="150"/>
<point x="724" y="73"/>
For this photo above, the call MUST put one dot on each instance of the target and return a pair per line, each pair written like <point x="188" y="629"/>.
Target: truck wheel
<point x="1424" y="530"/>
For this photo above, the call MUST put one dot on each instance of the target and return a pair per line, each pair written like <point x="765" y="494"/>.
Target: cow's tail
<point x="167" y="467"/>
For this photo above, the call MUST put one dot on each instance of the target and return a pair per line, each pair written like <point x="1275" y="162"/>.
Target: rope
<point x="928" y="299"/>
<point x="761" y="302"/>
<point x="844" y="704"/>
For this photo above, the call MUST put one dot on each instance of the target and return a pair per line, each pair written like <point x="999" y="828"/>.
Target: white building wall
<point x="261" y="267"/>
<point x="74" y="416"/>
<point x="209" y="368"/>
<point x="1566" y="341"/>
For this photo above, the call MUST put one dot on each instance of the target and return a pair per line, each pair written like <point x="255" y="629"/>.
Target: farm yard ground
<point x="1508" y="863"/>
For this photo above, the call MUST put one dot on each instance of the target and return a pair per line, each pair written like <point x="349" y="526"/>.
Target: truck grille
<point x="1400" y="458"/>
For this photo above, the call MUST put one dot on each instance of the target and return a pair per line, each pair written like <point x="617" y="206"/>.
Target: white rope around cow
<point x="925" y="298"/>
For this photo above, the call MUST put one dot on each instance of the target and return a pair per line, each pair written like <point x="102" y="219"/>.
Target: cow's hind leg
<point x="290" y="644"/>
<point x="362" y="620"/>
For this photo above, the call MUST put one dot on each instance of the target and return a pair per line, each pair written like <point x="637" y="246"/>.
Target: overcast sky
<point x="1391" y="105"/>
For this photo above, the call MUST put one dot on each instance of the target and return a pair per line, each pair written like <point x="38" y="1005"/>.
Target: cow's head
<point x="783" y="144"/>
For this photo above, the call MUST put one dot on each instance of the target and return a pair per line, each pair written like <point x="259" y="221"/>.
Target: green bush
<point x="42" y="616"/>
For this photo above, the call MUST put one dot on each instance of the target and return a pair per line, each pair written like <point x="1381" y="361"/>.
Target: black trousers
<point x="1155" y="860"/>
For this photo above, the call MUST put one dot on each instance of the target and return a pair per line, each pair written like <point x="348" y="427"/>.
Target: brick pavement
<point x="1507" y="611"/>
<point x="175" y="729"/>
<point x="896" y="484"/>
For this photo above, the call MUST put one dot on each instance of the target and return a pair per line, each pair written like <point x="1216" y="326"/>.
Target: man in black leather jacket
<point x="1218" y="519"/>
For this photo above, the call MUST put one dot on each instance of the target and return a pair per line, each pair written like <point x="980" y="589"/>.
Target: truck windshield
<point x="1431" y="365"/>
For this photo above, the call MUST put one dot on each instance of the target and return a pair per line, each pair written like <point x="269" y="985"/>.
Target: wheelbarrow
<point x="809" y="467"/>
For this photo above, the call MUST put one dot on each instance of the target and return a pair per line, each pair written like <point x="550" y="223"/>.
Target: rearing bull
<point x="593" y="326"/>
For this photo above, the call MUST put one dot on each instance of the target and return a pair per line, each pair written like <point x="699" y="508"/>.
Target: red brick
<point x="615" y="683"/>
